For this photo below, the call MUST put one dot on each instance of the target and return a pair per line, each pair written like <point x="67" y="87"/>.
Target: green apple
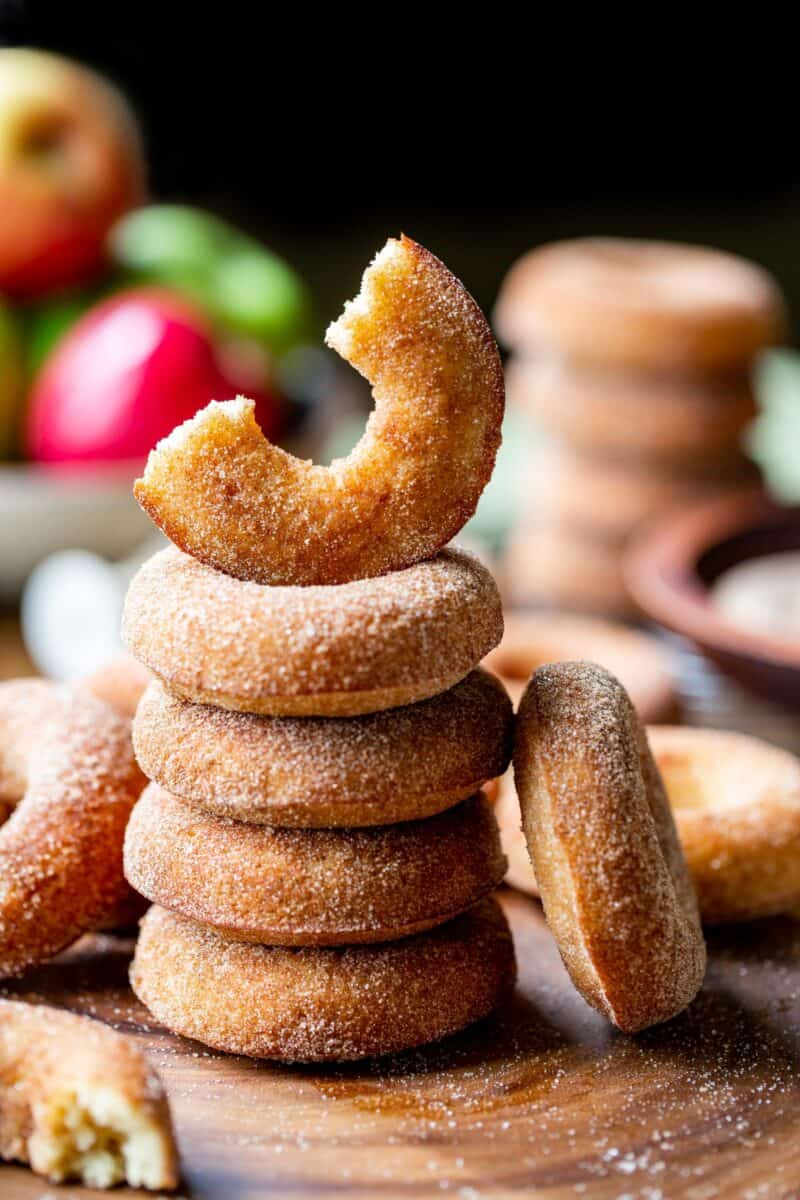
<point x="11" y="382"/>
<point x="243" y="286"/>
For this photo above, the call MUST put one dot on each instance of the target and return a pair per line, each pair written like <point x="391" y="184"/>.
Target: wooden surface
<point x="543" y="1099"/>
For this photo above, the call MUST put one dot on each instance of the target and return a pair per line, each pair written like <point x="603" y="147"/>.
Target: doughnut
<point x="640" y="662"/>
<point x="519" y="873"/>
<point x="615" y="888"/>
<point x="315" y="1004"/>
<point x="736" y="801"/>
<point x="120" y="683"/>
<point x="640" y="304"/>
<point x="613" y="497"/>
<point x="317" y="772"/>
<point x="79" y="1102"/>
<point x="221" y="492"/>
<point x="311" y="651"/>
<point x="67" y="759"/>
<point x="312" y="887"/>
<point x="561" y="567"/>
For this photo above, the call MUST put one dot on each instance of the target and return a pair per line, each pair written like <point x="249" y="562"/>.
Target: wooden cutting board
<point x="543" y="1099"/>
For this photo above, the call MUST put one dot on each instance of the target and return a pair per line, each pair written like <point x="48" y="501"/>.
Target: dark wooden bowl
<point x="671" y="564"/>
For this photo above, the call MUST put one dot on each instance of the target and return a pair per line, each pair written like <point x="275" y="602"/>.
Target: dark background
<point x="323" y="143"/>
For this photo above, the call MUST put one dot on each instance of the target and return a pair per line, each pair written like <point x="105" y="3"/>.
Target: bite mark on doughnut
<point x="79" y="1102"/>
<point x="222" y="493"/>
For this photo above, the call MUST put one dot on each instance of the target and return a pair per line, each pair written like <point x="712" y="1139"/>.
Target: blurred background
<point x="191" y="233"/>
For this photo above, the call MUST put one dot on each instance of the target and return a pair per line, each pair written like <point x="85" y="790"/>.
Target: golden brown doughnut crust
<point x="232" y="500"/>
<point x="736" y="801"/>
<point x="120" y="683"/>
<point x="640" y="662"/>
<point x="78" y="1101"/>
<point x="638" y="304"/>
<point x="608" y="864"/>
<point x="318" y="1004"/>
<point x="311" y="651"/>
<point x="670" y="420"/>
<point x="68" y="759"/>
<point x="315" y="772"/>
<point x="312" y="887"/>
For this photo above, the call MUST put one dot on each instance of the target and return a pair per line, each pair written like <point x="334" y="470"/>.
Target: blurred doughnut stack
<point x="633" y="358"/>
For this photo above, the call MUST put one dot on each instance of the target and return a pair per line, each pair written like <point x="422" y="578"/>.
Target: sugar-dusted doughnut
<point x="736" y="801"/>
<point x="558" y="566"/>
<point x="670" y="422"/>
<point x="315" y="1004"/>
<point x="120" y="683"/>
<point x="232" y="500"/>
<point x="612" y="497"/>
<point x="640" y="661"/>
<point x="640" y="304"/>
<point x="67" y="760"/>
<point x="519" y="872"/>
<point x="666" y="419"/>
<point x="78" y="1101"/>
<point x="312" y="887"/>
<point x="320" y="772"/>
<point x="608" y="864"/>
<point x="311" y="651"/>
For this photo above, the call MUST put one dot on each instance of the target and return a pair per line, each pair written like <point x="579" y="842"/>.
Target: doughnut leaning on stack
<point x="314" y="840"/>
<point x="633" y="357"/>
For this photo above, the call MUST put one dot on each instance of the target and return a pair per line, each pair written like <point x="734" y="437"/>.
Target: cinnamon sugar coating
<point x="311" y="651"/>
<point x="314" y="887"/>
<point x="120" y="683"/>
<point x="66" y="762"/>
<point x="608" y="864"/>
<point x="78" y="1101"/>
<point x="225" y="495"/>
<point x="314" y="1004"/>
<point x="736" y="801"/>
<point x="316" y="772"/>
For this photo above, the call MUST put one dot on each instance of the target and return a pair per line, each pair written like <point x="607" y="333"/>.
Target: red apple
<point x="126" y="374"/>
<point x="71" y="164"/>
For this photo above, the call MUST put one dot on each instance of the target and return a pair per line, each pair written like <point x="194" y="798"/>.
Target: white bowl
<point x="43" y="509"/>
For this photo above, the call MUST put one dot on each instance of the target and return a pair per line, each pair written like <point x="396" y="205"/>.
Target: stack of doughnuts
<point x="633" y="358"/>
<point x="318" y="852"/>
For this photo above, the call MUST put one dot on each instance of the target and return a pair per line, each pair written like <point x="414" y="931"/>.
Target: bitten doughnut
<point x="232" y="500"/>
<point x="316" y="772"/>
<point x="640" y="662"/>
<point x="120" y="683"/>
<point x="736" y="801"/>
<point x="322" y="1005"/>
<point x="673" y="420"/>
<point x="312" y="887"/>
<point x="311" y="651"/>
<point x="68" y="759"/>
<point x="562" y="567"/>
<point x="78" y="1101"/>
<point x="615" y="887"/>
<point x="640" y="304"/>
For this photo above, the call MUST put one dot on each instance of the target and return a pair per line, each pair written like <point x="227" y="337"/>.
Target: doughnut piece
<point x="559" y="566"/>
<point x="78" y="1101"/>
<point x="614" y="884"/>
<point x="225" y="495"/>
<point x="736" y="801"/>
<point x="120" y="683"/>
<point x="640" y="304"/>
<point x="640" y="661"/>
<point x="322" y="1005"/>
<point x="322" y="772"/>
<point x="311" y="651"/>
<point x="670" y="420"/>
<point x="67" y="759"/>
<point x="312" y="887"/>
